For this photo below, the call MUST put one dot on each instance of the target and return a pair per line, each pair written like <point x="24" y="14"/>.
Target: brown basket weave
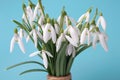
<point x="68" y="77"/>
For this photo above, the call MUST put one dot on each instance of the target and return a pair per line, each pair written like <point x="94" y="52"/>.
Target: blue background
<point x="90" y="65"/>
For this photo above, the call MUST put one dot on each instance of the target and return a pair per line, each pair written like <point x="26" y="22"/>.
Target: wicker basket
<point x="68" y="77"/>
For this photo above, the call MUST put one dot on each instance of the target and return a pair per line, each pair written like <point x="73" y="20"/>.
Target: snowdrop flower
<point x="44" y="56"/>
<point x="36" y="10"/>
<point x="74" y="39"/>
<point x="85" y="35"/>
<point x="31" y="14"/>
<point x="70" y="50"/>
<point x="57" y="28"/>
<point x="59" y="41"/>
<point x="35" y="34"/>
<point x="86" y="16"/>
<point x="101" y="20"/>
<point x="22" y="33"/>
<point x="49" y="33"/>
<point x="16" y="38"/>
<point x="41" y="20"/>
<point x="102" y="37"/>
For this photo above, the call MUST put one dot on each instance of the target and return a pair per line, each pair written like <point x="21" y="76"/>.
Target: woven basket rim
<point x="67" y="77"/>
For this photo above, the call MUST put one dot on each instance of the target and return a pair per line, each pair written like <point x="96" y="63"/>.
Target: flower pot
<point x="68" y="77"/>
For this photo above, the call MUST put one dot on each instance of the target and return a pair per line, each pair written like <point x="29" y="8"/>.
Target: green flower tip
<point x="97" y="29"/>
<point x="96" y="11"/>
<point x="87" y="25"/>
<point x="46" y="16"/>
<point x="33" y="27"/>
<point x="23" y="6"/>
<point x="48" y="20"/>
<point x="101" y="14"/>
<point x="31" y="4"/>
<point x="15" y="30"/>
<point x="69" y="22"/>
<point x="93" y="22"/>
<point x="63" y="11"/>
<point x="90" y="9"/>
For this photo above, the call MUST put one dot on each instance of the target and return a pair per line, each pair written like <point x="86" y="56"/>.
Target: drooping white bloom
<point x="74" y="36"/>
<point x="41" y="20"/>
<point x="49" y="33"/>
<point x="36" y="10"/>
<point x="44" y="56"/>
<point x="31" y="14"/>
<point x="59" y="41"/>
<point x="22" y="33"/>
<point x="101" y="20"/>
<point x="57" y="28"/>
<point x="85" y="35"/>
<point x="35" y="35"/>
<point x="70" y="50"/>
<point x="58" y="20"/>
<point x="86" y="16"/>
<point x="102" y="37"/>
<point x="16" y="38"/>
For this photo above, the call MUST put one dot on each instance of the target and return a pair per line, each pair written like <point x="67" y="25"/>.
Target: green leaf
<point x="22" y="63"/>
<point x="69" y="65"/>
<point x="20" y="25"/>
<point x="33" y="70"/>
<point x="59" y="70"/>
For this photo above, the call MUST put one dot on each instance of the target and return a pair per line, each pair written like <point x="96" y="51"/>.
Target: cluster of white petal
<point x="53" y="31"/>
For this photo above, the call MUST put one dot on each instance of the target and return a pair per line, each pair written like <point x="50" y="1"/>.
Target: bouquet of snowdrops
<point x="58" y="41"/>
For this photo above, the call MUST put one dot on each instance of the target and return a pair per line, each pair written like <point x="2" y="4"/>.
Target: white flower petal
<point x="21" y="33"/>
<point x="34" y="53"/>
<point x="70" y="49"/>
<point x="57" y="28"/>
<point x="35" y="37"/>
<point x="41" y="20"/>
<point x="48" y="53"/>
<point x="58" y="20"/>
<point x="81" y="18"/>
<point x="103" y="23"/>
<point x="47" y="33"/>
<point x="95" y="39"/>
<point x="53" y="34"/>
<point x="45" y="62"/>
<point x="12" y="44"/>
<point x="89" y="37"/>
<point x="83" y="36"/>
<point x="103" y="42"/>
<point x="66" y="20"/>
<point x="36" y="11"/>
<point x="74" y="34"/>
<point x="87" y="17"/>
<point x="20" y="43"/>
<point x="71" y="41"/>
<point x="59" y="42"/>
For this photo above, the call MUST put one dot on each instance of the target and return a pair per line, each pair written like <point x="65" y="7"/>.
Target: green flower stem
<point x="41" y="7"/>
<point x="32" y="70"/>
<point x="23" y="63"/>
